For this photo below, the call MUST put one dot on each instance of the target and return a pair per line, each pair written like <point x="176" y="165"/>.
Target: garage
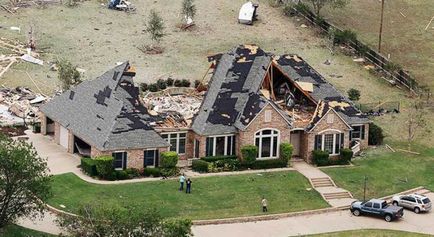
<point x="63" y="137"/>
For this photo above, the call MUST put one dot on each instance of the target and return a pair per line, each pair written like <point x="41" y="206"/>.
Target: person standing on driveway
<point x="181" y="182"/>
<point x="188" y="189"/>
<point x="264" y="203"/>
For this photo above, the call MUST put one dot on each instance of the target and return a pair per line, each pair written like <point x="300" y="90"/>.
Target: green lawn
<point x="387" y="173"/>
<point x="212" y="197"/>
<point x="370" y="233"/>
<point x="18" y="231"/>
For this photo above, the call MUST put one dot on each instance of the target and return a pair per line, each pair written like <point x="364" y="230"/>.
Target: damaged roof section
<point x="106" y="112"/>
<point x="316" y="86"/>
<point x="237" y="77"/>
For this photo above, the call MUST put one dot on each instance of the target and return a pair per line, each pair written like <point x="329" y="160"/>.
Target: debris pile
<point x="19" y="105"/>
<point x="13" y="6"/>
<point x="173" y="110"/>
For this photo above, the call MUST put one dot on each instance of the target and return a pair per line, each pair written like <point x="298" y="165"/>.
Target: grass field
<point x="211" y="197"/>
<point x="370" y="233"/>
<point x="404" y="34"/>
<point x="18" y="231"/>
<point x="387" y="173"/>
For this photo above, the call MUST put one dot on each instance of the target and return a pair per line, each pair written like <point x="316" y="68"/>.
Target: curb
<point x="59" y="212"/>
<point x="387" y="198"/>
<point x="266" y="217"/>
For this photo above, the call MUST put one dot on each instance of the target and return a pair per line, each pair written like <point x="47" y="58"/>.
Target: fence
<point x="400" y="76"/>
<point x="380" y="107"/>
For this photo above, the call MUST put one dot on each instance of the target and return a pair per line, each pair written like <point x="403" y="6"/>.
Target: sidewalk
<point x="321" y="182"/>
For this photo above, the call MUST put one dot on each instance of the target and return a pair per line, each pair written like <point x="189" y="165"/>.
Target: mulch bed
<point x="12" y="131"/>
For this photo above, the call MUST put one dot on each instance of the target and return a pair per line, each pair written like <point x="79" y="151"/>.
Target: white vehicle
<point x="414" y="202"/>
<point x="247" y="13"/>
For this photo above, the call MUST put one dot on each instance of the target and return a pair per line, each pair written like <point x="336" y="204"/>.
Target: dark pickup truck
<point x="377" y="207"/>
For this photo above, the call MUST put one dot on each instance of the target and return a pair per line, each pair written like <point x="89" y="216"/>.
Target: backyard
<point x="211" y="197"/>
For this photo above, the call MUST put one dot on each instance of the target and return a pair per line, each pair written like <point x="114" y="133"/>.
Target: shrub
<point x="353" y="94"/>
<point x="185" y="83"/>
<point x="161" y="84"/>
<point x="169" y="81"/>
<point x="320" y="158"/>
<point x="121" y="174"/>
<point x="200" y="166"/>
<point x="132" y="173"/>
<point x="344" y="37"/>
<point x="104" y="166"/>
<point x="249" y="153"/>
<point x="143" y="87"/>
<point x="269" y="164"/>
<point x="227" y="164"/>
<point x="288" y="10"/>
<point x="286" y="151"/>
<point x="154" y="172"/>
<point x="216" y="158"/>
<point x="301" y="7"/>
<point x="178" y="83"/>
<point x="88" y="165"/>
<point x="169" y="159"/>
<point x="376" y="135"/>
<point x="346" y="155"/>
<point x="197" y="83"/>
<point x="153" y="87"/>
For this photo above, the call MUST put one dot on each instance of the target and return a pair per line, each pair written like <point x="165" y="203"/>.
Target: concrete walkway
<point x="321" y="182"/>
<point x="46" y="224"/>
<point x="319" y="223"/>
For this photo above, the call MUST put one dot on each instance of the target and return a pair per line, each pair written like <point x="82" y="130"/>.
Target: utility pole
<point x="364" y="189"/>
<point x="381" y="26"/>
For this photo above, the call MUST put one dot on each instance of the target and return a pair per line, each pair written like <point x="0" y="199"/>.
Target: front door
<point x="295" y="141"/>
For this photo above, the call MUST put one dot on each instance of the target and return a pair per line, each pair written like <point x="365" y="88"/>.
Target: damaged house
<point x="253" y="98"/>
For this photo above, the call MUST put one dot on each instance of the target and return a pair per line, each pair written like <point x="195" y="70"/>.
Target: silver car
<point x="414" y="202"/>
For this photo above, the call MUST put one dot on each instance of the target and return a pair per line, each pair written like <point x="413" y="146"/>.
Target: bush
<point x="288" y="10"/>
<point x="376" y="135"/>
<point x="132" y="173"/>
<point x="104" y="166"/>
<point x="169" y="81"/>
<point x="143" y="87"/>
<point x="169" y="172"/>
<point x="249" y="153"/>
<point x="154" y="172"/>
<point x="88" y="165"/>
<point x="286" y="151"/>
<point x="344" y="37"/>
<point x="178" y="83"/>
<point x="121" y="174"/>
<point x="320" y="158"/>
<point x="197" y="83"/>
<point x="185" y="83"/>
<point x="269" y="164"/>
<point x="301" y="7"/>
<point x="346" y="155"/>
<point x="161" y="84"/>
<point x="353" y="94"/>
<point x="153" y="87"/>
<point x="169" y="159"/>
<point x="227" y="164"/>
<point x="200" y="166"/>
<point x="216" y="158"/>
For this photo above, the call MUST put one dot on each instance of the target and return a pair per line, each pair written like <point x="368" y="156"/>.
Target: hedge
<point x="216" y="158"/>
<point x="269" y="164"/>
<point x="346" y="155"/>
<point x="320" y="158"/>
<point x="88" y="165"/>
<point x="286" y="151"/>
<point x="376" y="135"/>
<point x="169" y="159"/>
<point x="249" y="153"/>
<point x="154" y="172"/>
<point x="104" y="166"/>
<point x="200" y="166"/>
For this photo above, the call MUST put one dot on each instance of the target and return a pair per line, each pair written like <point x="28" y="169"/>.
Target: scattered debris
<point x="303" y="26"/>
<point x="390" y="148"/>
<point x="248" y="13"/>
<point x="121" y="5"/>
<point x="327" y="62"/>
<point x="359" y="60"/>
<point x="31" y="59"/>
<point x="429" y="23"/>
<point x="402" y="14"/>
<point x="15" y="28"/>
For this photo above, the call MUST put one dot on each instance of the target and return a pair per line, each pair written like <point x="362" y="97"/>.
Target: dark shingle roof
<point x="299" y="70"/>
<point x="106" y="113"/>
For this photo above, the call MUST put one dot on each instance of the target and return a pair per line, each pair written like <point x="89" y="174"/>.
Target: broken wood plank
<point x="390" y="148"/>
<point x="37" y="87"/>
<point x="411" y="152"/>
<point x="6" y="68"/>
<point x="7" y="9"/>
<point x="429" y="23"/>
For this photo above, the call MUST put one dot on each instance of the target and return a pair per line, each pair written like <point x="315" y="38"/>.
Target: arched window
<point x="267" y="141"/>
<point x="329" y="140"/>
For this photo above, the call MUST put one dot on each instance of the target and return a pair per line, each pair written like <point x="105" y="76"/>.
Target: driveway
<point x="320" y="223"/>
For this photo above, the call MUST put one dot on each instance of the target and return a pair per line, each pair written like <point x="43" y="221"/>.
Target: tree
<point x="99" y="221"/>
<point x="155" y="27"/>
<point x="188" y="9"/>
<point x="353" y="94"/>
<point x="416" y="121"/>
<point x="24" y="181"/>
<point x="319" y="4"/>
<point x="68" y="74"/>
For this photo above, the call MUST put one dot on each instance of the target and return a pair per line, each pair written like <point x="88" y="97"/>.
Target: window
<point x="426" y="201"/>
<point x="267" y="142"/>
<point x="150" y="158"/>
<point x="332" y="143"/>
<point x="176" y="140"/>
<point x="377" y="205"/>
<point x="358" y="132"/>
<point x="220" y="145"/>
<point x="368" y="204"/>
<point x="268" y="116"/>
<point x="119" y="160"/>
<point x="411" y="199"/>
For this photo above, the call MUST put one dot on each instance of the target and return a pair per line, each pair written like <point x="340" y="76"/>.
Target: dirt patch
<point x="12" y="131"/>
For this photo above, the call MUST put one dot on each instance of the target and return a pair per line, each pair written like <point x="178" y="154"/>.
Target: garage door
<point x="63" y="137"/>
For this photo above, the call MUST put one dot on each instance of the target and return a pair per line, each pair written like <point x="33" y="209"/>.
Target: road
<point x="319" y="223"/>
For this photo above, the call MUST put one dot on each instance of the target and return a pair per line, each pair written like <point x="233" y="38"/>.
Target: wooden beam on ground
<point x="39" y="89"/>
<point x="6" y="9"/>
<point x="429" y="23"/>
<point x="390" y="148"/>
<point x="411" y="152"/>
<point x="6" y="68"/>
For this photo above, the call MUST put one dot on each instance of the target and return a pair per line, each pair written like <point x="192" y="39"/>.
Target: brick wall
<point x="247" y="137"/>
<point x="43" y="119"/>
